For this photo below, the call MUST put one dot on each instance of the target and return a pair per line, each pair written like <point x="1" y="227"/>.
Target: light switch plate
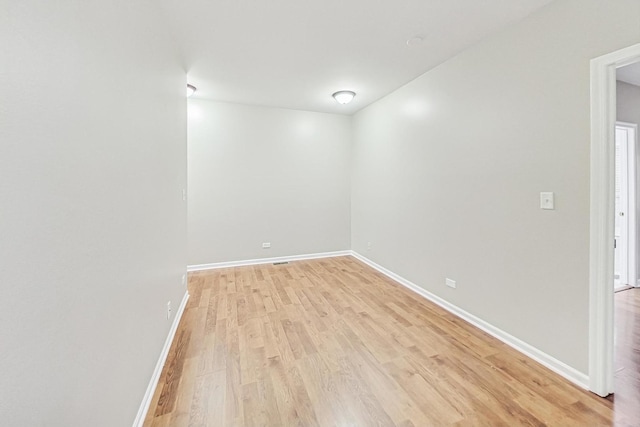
<point x="546" y="200"/>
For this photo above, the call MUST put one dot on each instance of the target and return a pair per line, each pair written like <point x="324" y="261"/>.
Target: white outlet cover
<point x="266" y="245"/>
<point x="450" y="283"/>
<point x="547" y="200"/>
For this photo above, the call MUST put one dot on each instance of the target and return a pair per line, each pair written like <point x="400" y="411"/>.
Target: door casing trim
<point x="602" y="192"/>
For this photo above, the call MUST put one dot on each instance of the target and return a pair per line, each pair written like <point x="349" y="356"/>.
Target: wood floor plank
<point x="303" y="403"/>
<point x="333" y="342"/>
<point x="282" y="392"/>
<point x="180" y="415"/>
<point x="168" y="389"/>
<point x="424" y="394"/>
<point x="199" y="403"/>
<point x="216" y="400"/>
<point x="233" y="379"/>
<point x="320" y="385"/>
<point x="627" y="357"/>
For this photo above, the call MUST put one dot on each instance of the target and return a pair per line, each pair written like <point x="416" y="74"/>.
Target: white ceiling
<point x="629" y="74"/>
<point x="296" y="53"/>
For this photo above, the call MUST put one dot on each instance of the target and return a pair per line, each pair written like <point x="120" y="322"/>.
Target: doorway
<point x="602" y="216"/>
<point x="625" y="239"/>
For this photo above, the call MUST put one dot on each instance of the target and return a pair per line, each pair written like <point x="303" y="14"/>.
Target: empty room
<point x="414" y="213"/>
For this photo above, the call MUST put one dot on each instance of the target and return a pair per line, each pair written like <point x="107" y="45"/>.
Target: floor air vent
<point x="280" y="263"/>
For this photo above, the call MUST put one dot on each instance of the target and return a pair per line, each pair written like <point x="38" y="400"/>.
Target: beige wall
<point x="93" y="226"/>
<point x="260" y="174"/>
<point x="447" y="172"/>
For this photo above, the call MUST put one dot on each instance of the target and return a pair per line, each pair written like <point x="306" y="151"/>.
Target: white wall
<point x="628" y="102"/>
<point x="260" y="174"/>
<point x="448" y="170"/>
<point x="93" y="226"/>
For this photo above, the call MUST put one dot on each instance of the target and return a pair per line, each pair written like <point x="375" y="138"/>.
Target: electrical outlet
<point x="450" y="283"/>
<point x="547" y="200"/>
<point x="184" y="279"/>
<point x="184" y="195"/>
<point x="168" y="310"/>
<point x="369" y="246"/>
<point x="266" y="245"/>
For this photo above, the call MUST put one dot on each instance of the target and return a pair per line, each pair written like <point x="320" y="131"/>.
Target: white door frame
<point x="603" y="121"/>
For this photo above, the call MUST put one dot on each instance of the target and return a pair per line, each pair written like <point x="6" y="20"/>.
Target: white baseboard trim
<point x="560" y="368"/>
<point x="151" y="388"/>
<point x="258" y="261"/>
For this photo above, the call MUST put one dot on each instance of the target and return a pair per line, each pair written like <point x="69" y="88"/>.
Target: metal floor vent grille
<point x="280" y="263"/>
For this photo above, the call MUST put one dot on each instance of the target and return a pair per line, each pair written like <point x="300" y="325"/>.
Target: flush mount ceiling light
<point x="191" y="89"/>
<point x="344" y="96"/>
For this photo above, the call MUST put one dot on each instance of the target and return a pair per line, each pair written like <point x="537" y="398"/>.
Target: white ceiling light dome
<point x="191" y="89"/>
<point x="344" y="96"/>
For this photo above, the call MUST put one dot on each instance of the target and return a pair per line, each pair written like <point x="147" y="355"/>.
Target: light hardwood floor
<point x="332" y="342"/>
<point x="627" y="358"/>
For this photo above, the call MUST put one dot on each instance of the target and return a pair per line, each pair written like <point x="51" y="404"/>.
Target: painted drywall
<point x="93" y="229"/>
<point x="628" y="103"/>
<point x="448" y="170"/>
<point x="628" y="110"/>
<point x="259" y="175"/>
